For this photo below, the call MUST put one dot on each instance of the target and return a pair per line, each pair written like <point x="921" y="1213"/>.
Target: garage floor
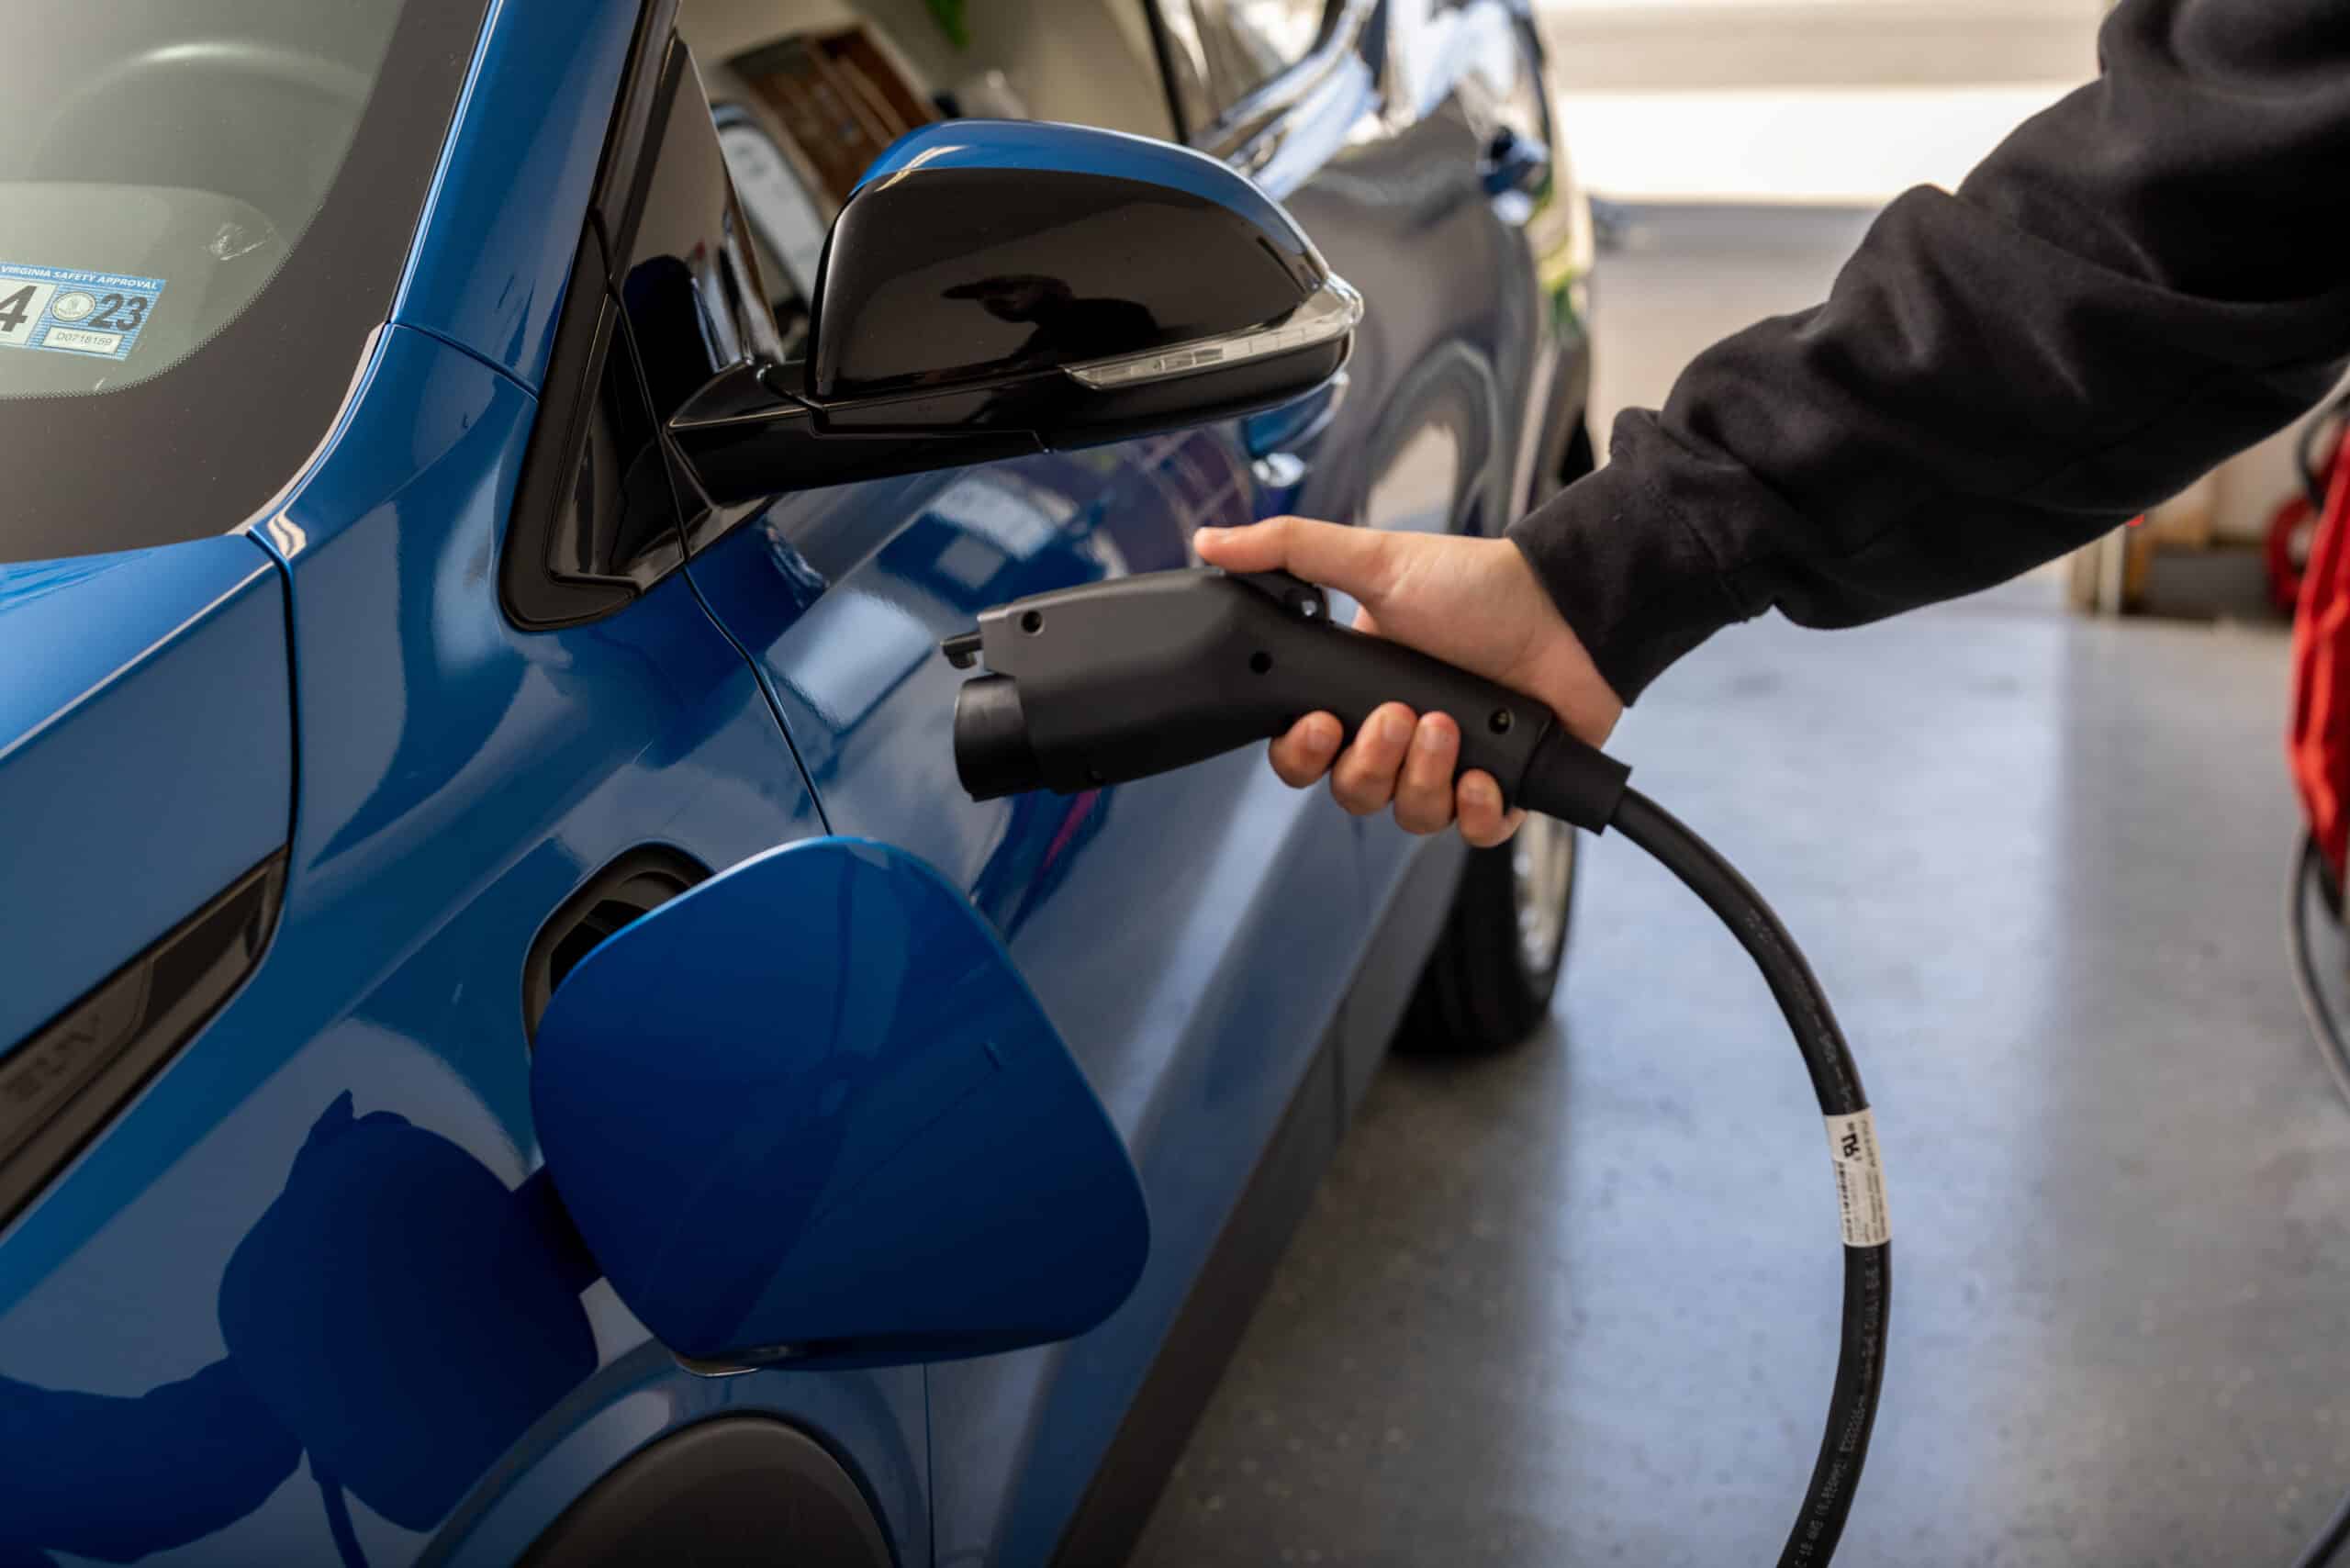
<point x="1575" y="1304"/>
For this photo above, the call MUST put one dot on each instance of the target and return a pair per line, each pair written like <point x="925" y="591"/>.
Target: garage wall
<point x="1084" y="60"/>
<point x="1618" y="45"/>
<point x="1834" y="104"/>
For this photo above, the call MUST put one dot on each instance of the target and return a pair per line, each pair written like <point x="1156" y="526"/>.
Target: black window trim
<point x="589" y="327"/>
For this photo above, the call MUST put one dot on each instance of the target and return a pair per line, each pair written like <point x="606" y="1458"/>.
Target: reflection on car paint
<point x="1138" y="912"/>
<point x="974" y="538"/>
<point x="459" y="779"/>
<point x="395" y="1285"/>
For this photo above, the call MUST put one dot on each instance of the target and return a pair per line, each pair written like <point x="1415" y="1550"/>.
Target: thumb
<point x="1357" y="562"/>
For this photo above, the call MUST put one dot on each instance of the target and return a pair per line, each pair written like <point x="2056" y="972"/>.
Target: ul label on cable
<point x="1860" y="1179"/>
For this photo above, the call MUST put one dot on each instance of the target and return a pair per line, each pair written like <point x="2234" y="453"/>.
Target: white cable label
<point x="1860" y="1179"/>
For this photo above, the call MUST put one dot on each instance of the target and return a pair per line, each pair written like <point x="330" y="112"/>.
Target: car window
<point x="204" y="213"/>
<point x="807" y="94"/>
<point x="1219" y="51"/>
<point x="667" y="289"/>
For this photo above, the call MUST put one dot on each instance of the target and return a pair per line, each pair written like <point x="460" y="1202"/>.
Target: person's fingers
<point x="1483" y="822"/>
<point x="1355" y="561"/>
<point x="1364" y="624"/>
<point x="1305" y="754"/>
<point x="1424" y="793"/>
<point x="1364" y="780"/>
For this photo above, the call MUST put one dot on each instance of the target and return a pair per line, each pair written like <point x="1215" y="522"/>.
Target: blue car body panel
<point x="495" y="248"/>
<point x="1192" y="937"/>
<point x="459" y="780"/>
<point x="1158" y="921"/>
<point x="145" y="754"/>
<point x="188" y="1374"/>
<point x="798" y="1154"/>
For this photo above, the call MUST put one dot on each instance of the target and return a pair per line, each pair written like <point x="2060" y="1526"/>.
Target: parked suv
<point x="393" y="608"/>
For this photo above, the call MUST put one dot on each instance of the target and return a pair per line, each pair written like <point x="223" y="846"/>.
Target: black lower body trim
<point x="1110" y="1519"/>
<point x="1182" y="1377"/>
<point x="66" y="1083"/>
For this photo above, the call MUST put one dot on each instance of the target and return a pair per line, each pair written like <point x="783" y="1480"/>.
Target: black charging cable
<point x="2314" y="452"/>
<point x="2326" y="1545"/>
<point x="2309" y="879"/>
<point x="1868" y="1246"/>
<point x="1135" y="675"/>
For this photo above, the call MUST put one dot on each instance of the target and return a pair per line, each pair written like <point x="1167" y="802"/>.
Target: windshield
<point x="205" y="208"/>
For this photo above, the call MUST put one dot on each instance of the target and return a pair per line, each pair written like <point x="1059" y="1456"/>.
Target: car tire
<point x="1490" y="979"/>
<point x="1496" y="965"/>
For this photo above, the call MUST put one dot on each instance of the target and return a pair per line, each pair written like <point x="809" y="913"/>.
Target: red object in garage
<point x="2292" y="535"/>
<point x="2318" y="743"/>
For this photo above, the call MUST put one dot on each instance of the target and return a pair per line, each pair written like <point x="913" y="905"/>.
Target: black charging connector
<point x="1120" y="679"/>
<point x="1116" y="681"/>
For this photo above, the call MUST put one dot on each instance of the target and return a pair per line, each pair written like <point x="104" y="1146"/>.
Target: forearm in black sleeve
<point x="2147" y="277"/>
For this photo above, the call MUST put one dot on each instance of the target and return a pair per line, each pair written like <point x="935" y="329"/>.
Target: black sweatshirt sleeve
<point x="2142" y="280"/>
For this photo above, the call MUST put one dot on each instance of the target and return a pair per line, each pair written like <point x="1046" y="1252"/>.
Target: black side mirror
<point x="996" y="288"/>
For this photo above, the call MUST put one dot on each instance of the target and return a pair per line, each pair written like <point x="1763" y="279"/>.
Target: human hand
<point x="1472" y="602"/>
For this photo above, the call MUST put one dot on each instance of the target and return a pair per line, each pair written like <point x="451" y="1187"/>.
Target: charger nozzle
<point x="1105" y="682"/>
<point x="992" y="757"/>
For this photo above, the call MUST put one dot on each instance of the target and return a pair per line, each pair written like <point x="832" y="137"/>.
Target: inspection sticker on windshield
<point x="70" y="312"/>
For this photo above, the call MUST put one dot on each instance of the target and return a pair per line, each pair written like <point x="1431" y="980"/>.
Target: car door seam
<point x="766" y="693"/>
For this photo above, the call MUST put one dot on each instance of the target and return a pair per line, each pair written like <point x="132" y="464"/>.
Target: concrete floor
<point x="1575" y="1304"/>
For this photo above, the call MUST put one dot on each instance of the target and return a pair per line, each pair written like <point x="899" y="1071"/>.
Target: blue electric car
<point x="485" y="482"/>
